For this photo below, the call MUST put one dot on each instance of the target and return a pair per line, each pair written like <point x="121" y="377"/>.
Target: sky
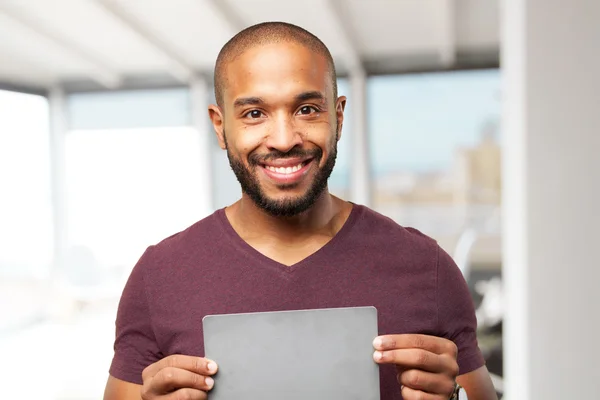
<point x="417" y="121"/>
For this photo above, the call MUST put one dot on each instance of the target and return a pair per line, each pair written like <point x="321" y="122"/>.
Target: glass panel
<point x="26" y="246"/>
<point x="129" y="109"/>
<point x="25" y="199"/>
<point x="436" y="156"/>
<point x="128" y="189"/>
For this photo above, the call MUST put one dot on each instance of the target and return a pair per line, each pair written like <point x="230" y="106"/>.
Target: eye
<point x="254" y="114"/>
<point x="307" y="110"/>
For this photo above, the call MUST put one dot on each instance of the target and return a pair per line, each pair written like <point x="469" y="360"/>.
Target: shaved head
<point x="267" y="33"/>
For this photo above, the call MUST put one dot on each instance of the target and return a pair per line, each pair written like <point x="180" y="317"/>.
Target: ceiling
<point x="109" y="44"/>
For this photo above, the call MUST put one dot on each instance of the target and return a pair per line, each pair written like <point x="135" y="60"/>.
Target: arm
<point x="428" y="366"/>
<point x="135" y="346"/>
<point x="457" y="323"/>
<point x="173" y="377"/>
<point x="478" y="384"/>
<point x="117" y="389"/>
<point x="139" y="370"/>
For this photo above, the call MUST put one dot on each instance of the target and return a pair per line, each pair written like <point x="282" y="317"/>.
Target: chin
<point x="284" y="190"/>
<point x="286" y="198"/>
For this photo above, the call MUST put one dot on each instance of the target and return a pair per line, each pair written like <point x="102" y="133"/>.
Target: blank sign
<point x="324" y="354"/>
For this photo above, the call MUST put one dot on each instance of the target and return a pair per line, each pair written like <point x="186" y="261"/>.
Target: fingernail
<point x="210" y="382"/>
<point x="377" y="342"/>
<point x="212" y="367"/>
<point x="377" y="355"/>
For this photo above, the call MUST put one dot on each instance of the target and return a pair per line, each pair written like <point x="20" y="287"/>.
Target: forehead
<point x="276" y="71"/>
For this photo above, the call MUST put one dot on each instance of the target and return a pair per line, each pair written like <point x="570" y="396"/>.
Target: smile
<point x="287" y="172"/>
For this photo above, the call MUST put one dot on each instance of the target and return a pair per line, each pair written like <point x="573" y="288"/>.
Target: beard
<point x="292" y="205"/>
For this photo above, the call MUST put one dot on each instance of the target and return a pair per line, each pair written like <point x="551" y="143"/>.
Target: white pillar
<point x="551" y="198"/>
<point x="58" y="187"/>
<point x="360" y="174"/>
<point x="199" y="92"/>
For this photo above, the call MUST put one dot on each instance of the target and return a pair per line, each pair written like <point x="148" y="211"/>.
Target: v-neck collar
<point x="259" y="257"/>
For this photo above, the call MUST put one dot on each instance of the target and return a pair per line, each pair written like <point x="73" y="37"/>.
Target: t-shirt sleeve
<point x="135" y="345"/>
<point x="456" y="313"/>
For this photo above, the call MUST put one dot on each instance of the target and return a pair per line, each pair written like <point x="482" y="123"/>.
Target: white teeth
<point x="284" y="170"/>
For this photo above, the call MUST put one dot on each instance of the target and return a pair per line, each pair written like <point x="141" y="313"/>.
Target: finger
<point x="170" y="379"/>
<point x="432" y="344"/>
<point x="418" y="359"/>
<point x="199" y="365"/>
<point x="427" y="382"/>
<point x="412" y="394"/>
<point x="187" y="394"/>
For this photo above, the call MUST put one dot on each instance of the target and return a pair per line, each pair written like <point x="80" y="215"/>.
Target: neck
<point x="246" y="216"/>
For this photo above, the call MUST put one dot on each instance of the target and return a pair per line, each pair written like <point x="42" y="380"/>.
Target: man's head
<point x="267" y="33"/>
<point x="278" y="115"/>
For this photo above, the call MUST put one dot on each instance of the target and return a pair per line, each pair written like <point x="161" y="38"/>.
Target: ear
<point x="216" y="116"/>
<point x="340" y="106"/>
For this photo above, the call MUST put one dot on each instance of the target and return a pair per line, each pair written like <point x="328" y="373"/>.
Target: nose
<point x="283" y="136"/>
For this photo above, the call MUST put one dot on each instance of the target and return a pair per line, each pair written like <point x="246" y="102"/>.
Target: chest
<point x="405" y="299"/>
<point x="288" y="254"/>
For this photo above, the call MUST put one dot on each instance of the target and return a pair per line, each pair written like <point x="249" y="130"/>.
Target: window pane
<point x="25" y="201"/>
<point x="128" y="189"/>
<point x="436" y="154"/>
<point x="129" y="109"/>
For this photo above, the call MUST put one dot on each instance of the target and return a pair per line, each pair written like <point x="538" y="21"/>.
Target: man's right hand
<point x="178" y="377"/>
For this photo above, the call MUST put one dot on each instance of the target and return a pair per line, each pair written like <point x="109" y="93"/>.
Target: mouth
<point x="287" y="171"/>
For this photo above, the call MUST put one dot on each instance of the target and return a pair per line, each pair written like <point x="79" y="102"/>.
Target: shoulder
<point x="195" y="242"/>
<point x="383" y="230"/>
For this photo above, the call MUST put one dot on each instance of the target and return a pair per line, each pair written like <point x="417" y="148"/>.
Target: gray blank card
<point x="324" y="354"/>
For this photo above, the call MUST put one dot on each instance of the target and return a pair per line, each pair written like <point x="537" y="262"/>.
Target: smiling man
<point x="289" y="244"/>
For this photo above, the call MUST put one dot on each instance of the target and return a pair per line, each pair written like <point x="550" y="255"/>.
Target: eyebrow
<point x="248" y="101"/>
<point x="314" y="95"/>
<point x="302" y="97"/>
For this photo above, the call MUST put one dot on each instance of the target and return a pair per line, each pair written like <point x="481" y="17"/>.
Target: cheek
<point x="321" y="134"/>
<point x="330" y="142"/>
<point x="245" y="142"/>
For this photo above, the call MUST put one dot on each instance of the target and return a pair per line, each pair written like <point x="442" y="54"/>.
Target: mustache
<point x="257" y="159"/>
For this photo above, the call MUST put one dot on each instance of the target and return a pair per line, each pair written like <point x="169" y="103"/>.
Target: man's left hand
<point x="427" y="366"/>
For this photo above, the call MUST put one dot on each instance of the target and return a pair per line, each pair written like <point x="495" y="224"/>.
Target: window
<point x="435" y="147"/>
<point x="25" y="200"/>
<point x="128" y="189"/>
<point x="133" y="166"/>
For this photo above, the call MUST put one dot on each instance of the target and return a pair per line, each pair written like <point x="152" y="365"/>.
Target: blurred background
<point x="106" y="148"/>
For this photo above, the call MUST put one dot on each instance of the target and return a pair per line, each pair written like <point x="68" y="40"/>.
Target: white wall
<point x="551" y="56"/>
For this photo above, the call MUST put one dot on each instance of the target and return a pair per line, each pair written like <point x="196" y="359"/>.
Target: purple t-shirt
<point x="209" y="269"/>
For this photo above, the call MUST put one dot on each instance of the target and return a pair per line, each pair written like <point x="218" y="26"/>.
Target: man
<point x="289" y="244"/>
